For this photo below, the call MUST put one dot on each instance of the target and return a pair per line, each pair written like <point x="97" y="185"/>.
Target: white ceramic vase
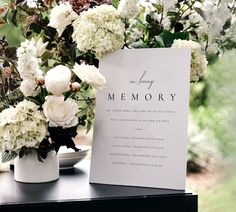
<point x="29" y="169"/>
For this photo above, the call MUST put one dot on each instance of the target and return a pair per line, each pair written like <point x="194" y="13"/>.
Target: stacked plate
<point x="68" y="157"/>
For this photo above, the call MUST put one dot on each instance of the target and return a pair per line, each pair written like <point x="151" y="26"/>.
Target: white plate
<point x="65" y="152"/>
<point x="68" y="163"/>
<point x="68" y="157"/>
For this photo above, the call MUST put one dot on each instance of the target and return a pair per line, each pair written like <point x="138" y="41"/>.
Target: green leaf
<point x="172" y="13"/>
<point x="35" y="27"/>
<point x="19" y="2"/>
<point x="44" y="148"/>
<point x="168" y="38"/>
<point x="24" y="151"/>
<point x="33" y="99"/>
<point x="39" y="157"/>
<point x="69" y="94"/>
<point x="89" y="125"/>
<point x="159" y="41"/>
<point x="140" y="23"/>
<point x="181" y="35"/>
<point x="65" y="59"/>
<point x="149" y="18"/>
<point x="46" y="56"/>
<point x="158" y="7"/>
<point x="84" y="86"/>
<point x="139" y="44"/>
<point x="7" y="156"/>
<point x="115" y="3"/>
<point x="51" y="62"/>
<point x="154" y="30"/>
<point x="14" y="19"/>
<point x="80" y="53"/>
<point x="43" y="93"/>
<point x="5" y="17"/>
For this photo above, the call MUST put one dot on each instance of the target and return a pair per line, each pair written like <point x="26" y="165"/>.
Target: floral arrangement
<point x="48" y="81"/>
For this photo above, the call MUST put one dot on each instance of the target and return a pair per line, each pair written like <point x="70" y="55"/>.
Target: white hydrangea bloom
<point x="60" y="112"/>
<point x="128" y="8"/>
<point x="28" y="87"/>
<point x="57" y="80"/>
<point x="61" y="16"/>
<point x="198" y="61"/>
<point x="91" y="75"/>
<point x="26" y="54"/>
<point x="99" y="30"/>
<point x="28" y="65"/>
<point x="23" y="125"/>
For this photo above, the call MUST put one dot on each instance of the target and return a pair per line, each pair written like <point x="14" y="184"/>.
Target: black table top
<point x="73" y="185"/>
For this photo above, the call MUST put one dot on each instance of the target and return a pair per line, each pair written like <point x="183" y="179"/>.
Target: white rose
<point x="60" y="113"/>
<point x="57" y="80"/>
<point x="91" y="75"/>
<point x="61" y="16"/>
<point x="28" y="87"/>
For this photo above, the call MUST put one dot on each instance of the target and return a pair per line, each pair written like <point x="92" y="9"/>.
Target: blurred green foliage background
<point x="12" y="33"/>
<point x="212" y="134"/>
<point x="212" y="110"/>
